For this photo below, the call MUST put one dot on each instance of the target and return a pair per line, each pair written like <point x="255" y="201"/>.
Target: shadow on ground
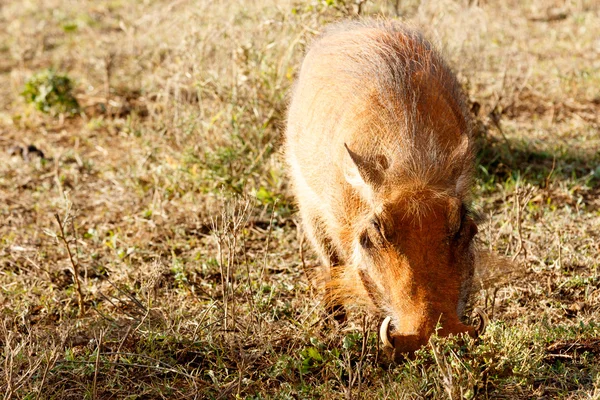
<point x="499" y="159"/>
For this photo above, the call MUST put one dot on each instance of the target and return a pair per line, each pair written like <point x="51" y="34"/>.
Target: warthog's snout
<point x="400" y="344"/>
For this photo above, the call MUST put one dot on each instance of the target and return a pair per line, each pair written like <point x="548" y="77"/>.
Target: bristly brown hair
<point x="396" y="76"/>
<point x="379" y="139"/>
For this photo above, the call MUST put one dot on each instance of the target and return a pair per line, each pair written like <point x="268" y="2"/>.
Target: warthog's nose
<point x="405" y="345"/>
<point x="399" y="344"/>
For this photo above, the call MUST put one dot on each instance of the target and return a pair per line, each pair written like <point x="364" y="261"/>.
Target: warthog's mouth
<point x="479" y="317"/>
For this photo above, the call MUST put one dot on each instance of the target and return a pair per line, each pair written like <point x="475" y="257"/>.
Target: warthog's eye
<point x="365" y="241"/>
<point x="464" y="227"/>
<point x="373" y="235"/>
<point x="467" y="229"/>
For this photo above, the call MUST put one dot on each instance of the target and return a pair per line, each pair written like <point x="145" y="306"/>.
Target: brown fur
<point x="380" y="154"/>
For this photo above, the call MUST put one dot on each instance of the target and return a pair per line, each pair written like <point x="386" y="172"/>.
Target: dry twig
<point x="75" y="265"/>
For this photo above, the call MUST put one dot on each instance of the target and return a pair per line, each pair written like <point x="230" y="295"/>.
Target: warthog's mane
<point x="390" y="69"/>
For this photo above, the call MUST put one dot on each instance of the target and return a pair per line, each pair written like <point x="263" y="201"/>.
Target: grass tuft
<point x="51" y="92"/>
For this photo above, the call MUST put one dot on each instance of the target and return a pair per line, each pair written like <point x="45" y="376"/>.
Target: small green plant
<point x="312" y="359"/>
<point x="50" y="92"/>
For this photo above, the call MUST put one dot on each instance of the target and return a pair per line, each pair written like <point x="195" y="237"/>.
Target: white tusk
<point x="384" y="332"/>
<point x="483" y="320"/>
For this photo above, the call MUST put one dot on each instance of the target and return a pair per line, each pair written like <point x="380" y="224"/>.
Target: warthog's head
<point x="412" y="248"/>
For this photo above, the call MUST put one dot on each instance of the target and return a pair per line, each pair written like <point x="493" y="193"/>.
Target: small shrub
<point x="50" y="92"/>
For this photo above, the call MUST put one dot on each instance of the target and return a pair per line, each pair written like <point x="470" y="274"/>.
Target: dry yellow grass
<point x="175" y="207"/>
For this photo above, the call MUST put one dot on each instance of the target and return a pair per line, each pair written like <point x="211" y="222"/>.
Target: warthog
<point x="380" y="153"/>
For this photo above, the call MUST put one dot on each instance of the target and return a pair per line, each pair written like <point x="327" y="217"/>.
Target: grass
<point x="187" y="278"/>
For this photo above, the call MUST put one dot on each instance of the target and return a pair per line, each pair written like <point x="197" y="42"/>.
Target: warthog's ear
<point x="366" y="171"/>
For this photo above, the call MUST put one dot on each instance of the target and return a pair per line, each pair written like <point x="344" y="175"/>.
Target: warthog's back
<point x="380" y="88"/>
